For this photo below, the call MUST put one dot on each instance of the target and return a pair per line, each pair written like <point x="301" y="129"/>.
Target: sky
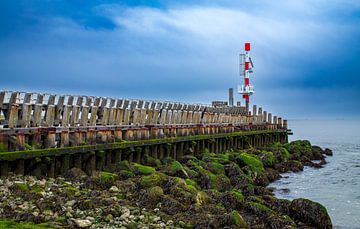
<point x="306" y="53"/>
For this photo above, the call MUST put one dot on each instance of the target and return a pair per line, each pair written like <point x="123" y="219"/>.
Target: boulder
<point x="311" y="213"/>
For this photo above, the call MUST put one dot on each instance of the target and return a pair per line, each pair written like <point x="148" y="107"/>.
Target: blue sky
<point x="306" y="53"/>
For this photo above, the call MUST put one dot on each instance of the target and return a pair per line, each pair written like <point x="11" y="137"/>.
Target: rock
<point x="114" y="189"/>
<point x="83" y="223"/>
<point x="70" y="203"/>
<point x="310" y="212"/>
<point x="125" y="213"/>
<point x="76" y="174"/>
<point x="328" y="152"/>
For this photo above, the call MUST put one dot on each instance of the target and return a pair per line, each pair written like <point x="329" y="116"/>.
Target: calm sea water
<point x="337" y="185"/>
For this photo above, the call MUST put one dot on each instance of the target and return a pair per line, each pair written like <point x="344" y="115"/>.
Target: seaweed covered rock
<point x="310" y="212"/>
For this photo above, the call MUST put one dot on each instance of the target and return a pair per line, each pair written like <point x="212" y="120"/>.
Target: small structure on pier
<point x="246" y="66"/>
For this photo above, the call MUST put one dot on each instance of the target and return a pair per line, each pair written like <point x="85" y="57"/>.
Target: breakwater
<point x="45" y="134"/>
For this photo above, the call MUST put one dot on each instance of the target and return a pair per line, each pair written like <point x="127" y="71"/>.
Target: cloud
<point x="187" y="52"/>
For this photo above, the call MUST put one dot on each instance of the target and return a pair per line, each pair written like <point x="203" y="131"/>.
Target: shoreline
<point x="228" y="189"/>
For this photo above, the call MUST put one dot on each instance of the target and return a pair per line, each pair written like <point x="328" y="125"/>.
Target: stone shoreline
<point x="226" y="190"/>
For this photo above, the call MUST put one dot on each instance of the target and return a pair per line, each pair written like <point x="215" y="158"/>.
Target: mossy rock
<point x="219" y="182"/>
<point x="267" y="158"/>
<point x="104" y="179"/>
<point x="191" y="173"/>
<point x="155" y="192"/>
<point x="191" y="186"/>
<point x="202" y="198"/>
<point x="175" y="168"/>
<point x="37" y="188"/>
<point x="260" y="209"/>
<point x="215" y="167"/>
<point x="238" y="220"/>
<point x="125" y="165"/>
<point x="125" y="174"/>
<point x="151" y="161"/>
<point x="153" y="179"/>
<point x="237" y="194"/>
<point x="143" y="169"/>
<point x="10" y="224"/>
<point x="21" y="186"/>
<point x="253" y="162"/>
<point x="299" y="148"/>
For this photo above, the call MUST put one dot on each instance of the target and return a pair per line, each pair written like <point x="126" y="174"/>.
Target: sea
<point x="337" y="184"/>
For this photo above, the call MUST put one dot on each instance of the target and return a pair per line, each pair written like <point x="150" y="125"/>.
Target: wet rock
<point x="83" y="223"/>
<point x="310" y="212"/>
<point x="328" y="152"/>
<point x="76" y="174"/>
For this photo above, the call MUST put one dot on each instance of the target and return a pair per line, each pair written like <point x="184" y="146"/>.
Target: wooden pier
<point x="46" y="134"/>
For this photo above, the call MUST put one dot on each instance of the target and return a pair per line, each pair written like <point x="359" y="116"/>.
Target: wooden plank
<point x="13" y="115"/>
<point x="50" y="115"/>
<point x="36" y="119"/>
<point x="84" y="115"/>
<point x="70" y="100"/>
<point x="66" y="116"/>
<point x="79" y="101"/>
<point x="39" y="99"/>
<point x="74" y="120"/>
<point x="93" y="116"/>
<point x="25" y="115"/>
<point x="27" y="98"/>
<point x="119" y="116"/>
<point x="51" y="100"/>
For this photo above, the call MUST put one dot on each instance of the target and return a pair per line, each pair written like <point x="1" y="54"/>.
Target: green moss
<point x="37" y="189"/>
<point x="153" y="179"/>
<point x="176" y="166"/>
<point x="253" y="162"/>
<point x="216" y="168"/>
<point x="284" y="153"/>
<point x="143" y="169"/>
<point x="126" y="174"/>
<point x="152" y="161"/>
<point x="3" y="147"/>
<point x="10" y="224"/>
<point x="220" y="206"/>
<point x="237" y="194"/>
<point x="238" y="219"/>
<point x="107" y="177"/>
<point x="155" y="192"/>
<point x="22" y="186"/>
<point x="191" y="185"/>
<point x="124" y="165"/>
<point x="299" y="147"/>
<point x="269" y="158"/>
<point x="191" y="173"/>
<point x="261" y="207"/>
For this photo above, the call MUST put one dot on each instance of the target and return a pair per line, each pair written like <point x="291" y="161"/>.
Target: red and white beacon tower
<point x="246" y="66"/>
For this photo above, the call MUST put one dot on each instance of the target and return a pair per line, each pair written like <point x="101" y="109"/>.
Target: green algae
<point x="216" y="168"/>
<point x="153" y="179"/>
<point x="106" y="177"/>
<point x="237" y="194"/>
<point x="143" y="169"/>
<point x="253" y="162"/>
<point x="238" y="219"/>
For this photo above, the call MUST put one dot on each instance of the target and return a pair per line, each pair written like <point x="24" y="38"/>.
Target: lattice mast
<point x="246" y="66"/>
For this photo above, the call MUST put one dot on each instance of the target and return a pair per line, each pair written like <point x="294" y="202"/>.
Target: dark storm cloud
<point x="306" y="53"/>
